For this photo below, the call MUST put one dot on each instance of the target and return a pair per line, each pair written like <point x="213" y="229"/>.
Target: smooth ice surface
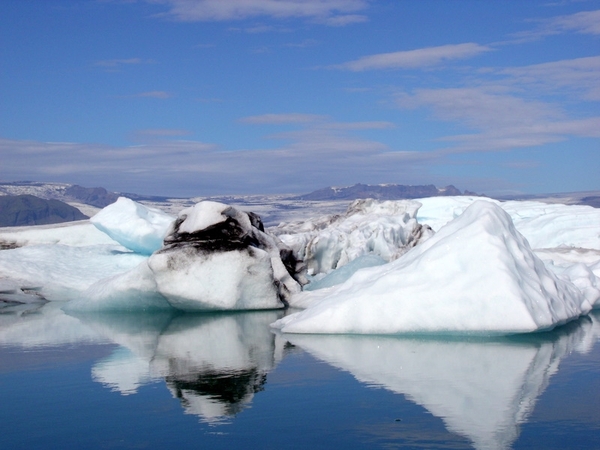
<point x="133" y="290"/>
<point x="133" y="225"/>
<point x="340" y="275"/>
<point x="544" y="225"/>
<point x="476" y="274"/>
<point x="386" y="229"/>
<point x="74" y="234"/>
<point x="63" y="272"/>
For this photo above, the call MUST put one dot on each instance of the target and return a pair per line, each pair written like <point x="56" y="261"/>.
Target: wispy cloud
<point x="412" y="59"/>
<point x="278" y="119"/>
<point x="498" y="120"/>
<point x="115" y="64"/>
<point x="329" y="12"/>
<point x="260" y="28"/>
<point x="162" y="95"/>
<point x="154" y="134"/>
<point x="318" y="153"/>
<point x="304" y="44"/>
<point x="585" y="22"/>
<point x="578" y="76"/>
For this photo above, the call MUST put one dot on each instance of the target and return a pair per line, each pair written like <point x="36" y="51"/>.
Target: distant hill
<point x="381" y="192"/>
<point x="20" y="210"/>
<point x="97" y="196"/>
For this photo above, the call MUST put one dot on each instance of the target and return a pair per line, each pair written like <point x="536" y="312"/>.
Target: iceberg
<point x="477" y="274"/>
<point x="217" y="257"/>
<point x="213" y="257"/>
<point x="133" y="225"/>
<point x="386" y="229"/>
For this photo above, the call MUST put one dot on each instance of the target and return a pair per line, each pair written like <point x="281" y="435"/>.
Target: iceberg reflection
<point x="481" y="389"/>
<point x="213" y="363"/>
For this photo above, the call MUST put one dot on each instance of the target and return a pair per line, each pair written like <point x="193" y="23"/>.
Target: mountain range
<point x="23" y="210"/>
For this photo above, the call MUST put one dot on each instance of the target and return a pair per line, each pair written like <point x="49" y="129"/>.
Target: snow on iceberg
<point x="133" y="225"/>
<point x="386" y="229"/>
<point x="477" y="274"/>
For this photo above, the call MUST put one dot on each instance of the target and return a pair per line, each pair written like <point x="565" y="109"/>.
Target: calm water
<point x="225" y="381"/>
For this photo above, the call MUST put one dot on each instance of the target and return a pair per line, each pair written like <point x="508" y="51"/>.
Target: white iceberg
<point x="386" y="229"/>
<point x="477" y="274"/>
<point x="133" y="225"/>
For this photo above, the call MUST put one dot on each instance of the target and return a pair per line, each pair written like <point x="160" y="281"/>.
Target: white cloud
<point x="276" y="119"/>
<point x="330" y="12"/>
<point x="154" y="94"/>
<point x="114" y="63"/>
<point x="154" y="134"/>
<point x="584" y="22"/>
<point x="500" y="120"/>
<point x="580" y="76"/>
<point x="319" y="153"/>
<point x="411" y="59"/>
<point x="343" y="20"/>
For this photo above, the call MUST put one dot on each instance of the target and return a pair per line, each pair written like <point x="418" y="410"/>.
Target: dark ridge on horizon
<point x="24" y="210"/>
<point x="381" y="192"/>
<point x="101" y="197"/>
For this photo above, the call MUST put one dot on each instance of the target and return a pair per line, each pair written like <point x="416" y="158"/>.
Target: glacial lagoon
<point x="226" y="380"/>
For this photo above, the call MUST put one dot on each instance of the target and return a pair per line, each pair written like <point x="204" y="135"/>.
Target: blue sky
<point x="205" y="97"/>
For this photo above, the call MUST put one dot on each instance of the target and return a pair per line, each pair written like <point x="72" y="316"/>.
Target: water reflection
<point x="35" y="325"/>
<point x="481" y="389"/>
<point x="213" y="363"/>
